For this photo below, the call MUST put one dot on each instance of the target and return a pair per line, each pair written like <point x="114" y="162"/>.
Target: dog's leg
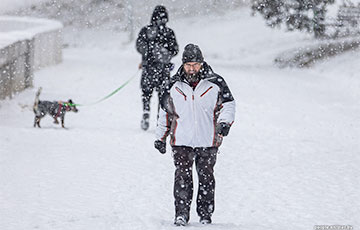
<point x="36" y="103"/>
<point x="37" y="120"/>
<point x="62" y="122"/>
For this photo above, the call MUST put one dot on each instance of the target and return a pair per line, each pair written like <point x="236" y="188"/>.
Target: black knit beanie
<point x="192" y="53"/>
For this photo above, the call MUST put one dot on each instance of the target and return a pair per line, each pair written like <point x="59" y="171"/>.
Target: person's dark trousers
<point x="205" y="159"/>
<point x="153" y="77"/>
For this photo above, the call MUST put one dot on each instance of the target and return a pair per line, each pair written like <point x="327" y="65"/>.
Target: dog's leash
<point x="106" y="97"/>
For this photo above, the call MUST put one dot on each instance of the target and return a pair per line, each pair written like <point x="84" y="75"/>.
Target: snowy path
<point x="291" y="160"/>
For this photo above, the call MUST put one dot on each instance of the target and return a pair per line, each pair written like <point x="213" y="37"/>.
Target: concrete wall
<point x="26" y="45"/>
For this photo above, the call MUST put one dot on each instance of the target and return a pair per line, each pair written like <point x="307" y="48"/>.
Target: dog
<point x="54" y="109"/>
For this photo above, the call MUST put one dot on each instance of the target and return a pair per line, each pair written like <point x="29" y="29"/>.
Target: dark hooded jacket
<point x="156" y="42"/>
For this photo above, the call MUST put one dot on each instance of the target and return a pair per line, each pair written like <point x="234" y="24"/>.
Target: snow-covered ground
<point x="291" y="160"/>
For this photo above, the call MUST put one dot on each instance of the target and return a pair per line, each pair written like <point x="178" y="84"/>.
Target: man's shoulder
<point x="210" y="75"/>
<point x="220" y="82"/>
<point x="144" y="28"/>
<point x="215" y="78"/>
<point x="169" y="29"/>
<point x="142" y="32"/>
<point x="175" y="79"/>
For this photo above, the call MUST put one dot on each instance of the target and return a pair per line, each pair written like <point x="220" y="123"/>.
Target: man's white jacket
<point x="190" y="115"/>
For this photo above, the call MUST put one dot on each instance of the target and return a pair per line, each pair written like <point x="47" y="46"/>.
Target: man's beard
<point x="192" y="78"/>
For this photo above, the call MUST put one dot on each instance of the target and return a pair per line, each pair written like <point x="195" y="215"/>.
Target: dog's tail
<point x="36" y="103"/>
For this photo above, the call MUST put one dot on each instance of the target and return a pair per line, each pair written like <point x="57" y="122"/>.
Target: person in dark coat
<point x="197" y="111"/>
<point x="157" y="44"/>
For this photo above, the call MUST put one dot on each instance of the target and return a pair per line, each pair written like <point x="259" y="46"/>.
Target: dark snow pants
<point x="205" y="159"/>
<point x="153" y="77"/>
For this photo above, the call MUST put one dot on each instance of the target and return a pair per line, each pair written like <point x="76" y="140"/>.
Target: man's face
<point x="192" y="68"/>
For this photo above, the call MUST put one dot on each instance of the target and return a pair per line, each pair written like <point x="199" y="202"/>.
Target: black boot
<point x="145" y="121"/>
<point x="205" y="220"/>
<point x="180" y="221"/>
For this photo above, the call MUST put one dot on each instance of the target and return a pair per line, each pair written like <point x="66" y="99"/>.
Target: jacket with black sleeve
<point x="190" y="115"/>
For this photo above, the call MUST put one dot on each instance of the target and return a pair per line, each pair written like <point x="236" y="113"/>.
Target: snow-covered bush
<point x="308" y="15"/>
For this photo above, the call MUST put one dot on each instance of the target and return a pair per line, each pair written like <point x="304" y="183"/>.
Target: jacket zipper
<point x="206" y="91"/>
<point x="181" y="92"/>
<point x="194" y="117"/>
<point x="193" y="107"/>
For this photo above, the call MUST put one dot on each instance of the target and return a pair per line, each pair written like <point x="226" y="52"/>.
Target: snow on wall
<point x="7" y="5"/>
<point x="26" y="44"/>
<point x="306" y="56"/>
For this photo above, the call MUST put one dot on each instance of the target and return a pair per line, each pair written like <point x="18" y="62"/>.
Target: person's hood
<point x="159" y="16"/>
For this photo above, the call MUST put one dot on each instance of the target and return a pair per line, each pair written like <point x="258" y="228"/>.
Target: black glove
<point x="160" y="145"/>
<point x="222" y="129"/>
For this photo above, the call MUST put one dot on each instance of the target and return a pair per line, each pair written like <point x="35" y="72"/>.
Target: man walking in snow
<point x="197" y="110"/>
<point x="157" y="45"/>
